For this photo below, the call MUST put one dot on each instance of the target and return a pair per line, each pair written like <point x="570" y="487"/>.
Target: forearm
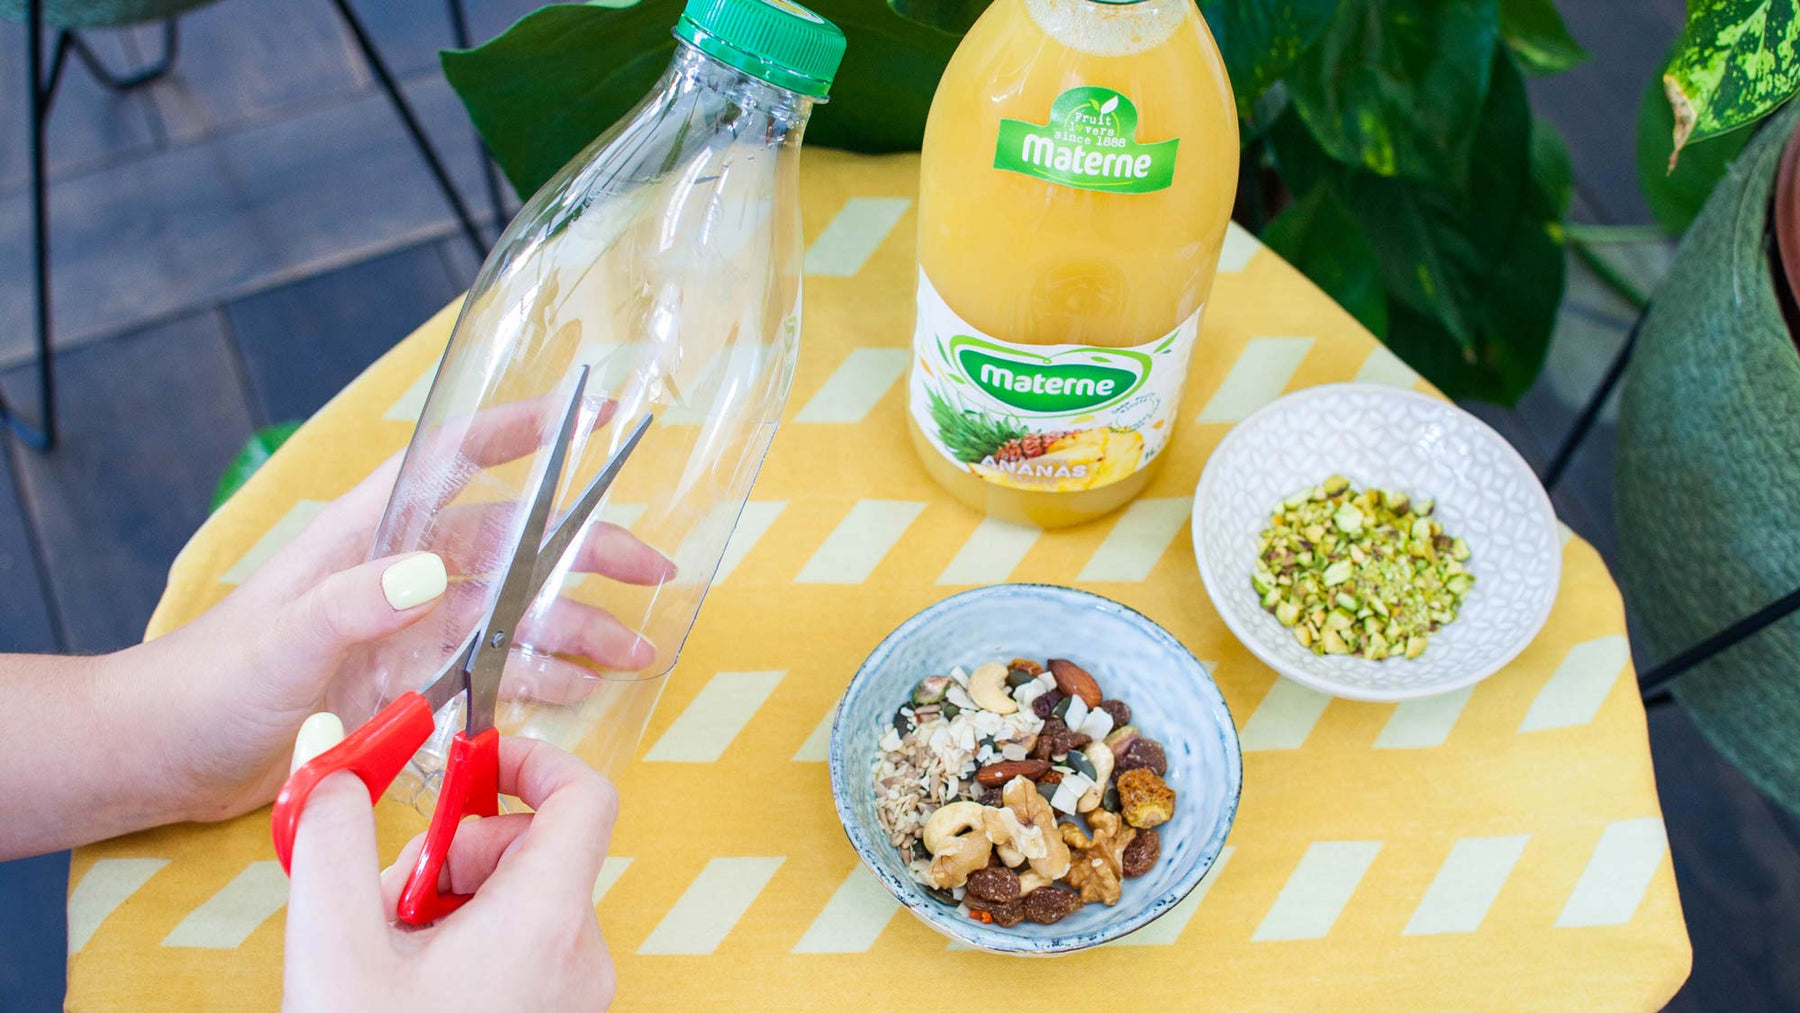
<point x="83" y="756"/>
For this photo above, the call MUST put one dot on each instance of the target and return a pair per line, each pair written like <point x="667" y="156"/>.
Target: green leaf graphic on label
<point x="1045" y="386"/>
<point x="1090" y="142"/>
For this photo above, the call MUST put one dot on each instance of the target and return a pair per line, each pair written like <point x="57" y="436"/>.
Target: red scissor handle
<point x="375" y="752"/>
<point x="471" y="788"/>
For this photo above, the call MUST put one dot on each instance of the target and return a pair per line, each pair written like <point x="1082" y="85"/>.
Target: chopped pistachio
<point x="1369" y="573"/>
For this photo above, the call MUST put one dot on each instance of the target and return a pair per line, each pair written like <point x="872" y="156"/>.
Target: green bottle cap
<point x="778" y="41"/>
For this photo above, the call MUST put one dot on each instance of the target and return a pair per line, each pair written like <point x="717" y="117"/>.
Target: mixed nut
<point x="1370" y="574"/>
<point x="1020" y="792"/>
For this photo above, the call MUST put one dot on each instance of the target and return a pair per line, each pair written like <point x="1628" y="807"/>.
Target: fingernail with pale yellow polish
<point x="414" y="580"/>
<point x="317" y="734"/>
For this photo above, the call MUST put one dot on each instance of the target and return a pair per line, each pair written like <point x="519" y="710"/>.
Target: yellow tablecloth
<point x="1500" y="847"/>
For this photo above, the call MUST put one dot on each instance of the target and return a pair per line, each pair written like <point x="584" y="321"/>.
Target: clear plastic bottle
<point x="666" y="256"/>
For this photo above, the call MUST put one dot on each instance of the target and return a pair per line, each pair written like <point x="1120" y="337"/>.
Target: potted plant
<point x="1708" y="479"/>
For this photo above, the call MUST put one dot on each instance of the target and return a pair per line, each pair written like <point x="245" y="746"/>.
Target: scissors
<point x="378" y="750"/>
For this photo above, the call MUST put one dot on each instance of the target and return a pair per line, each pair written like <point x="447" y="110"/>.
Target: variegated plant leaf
<point x="1737" y="60"/>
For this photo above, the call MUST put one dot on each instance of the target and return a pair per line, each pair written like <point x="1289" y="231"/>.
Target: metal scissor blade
<point x="557" y="541"/>
<point x="452" y="678"/>
<point x="517" y="588"/>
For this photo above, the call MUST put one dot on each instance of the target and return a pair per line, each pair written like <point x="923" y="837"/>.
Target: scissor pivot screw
<point x="498" y="639"/>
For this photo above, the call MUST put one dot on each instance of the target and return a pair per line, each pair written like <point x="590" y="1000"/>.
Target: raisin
<point x="1144" y="753"/>
<point x="1120" y="711"/>
<point x="1048" y="905"/>
<point x="1045" y="703"/>
<point x="1056" y="739"/>
<point x="1141" y="853"/>
<point x="1005" y="914"/>
<point x="996" y="886"/>
<point x="991" y="798"/>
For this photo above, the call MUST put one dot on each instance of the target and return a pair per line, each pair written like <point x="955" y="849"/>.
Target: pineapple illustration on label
<point x="1043" y="418"/>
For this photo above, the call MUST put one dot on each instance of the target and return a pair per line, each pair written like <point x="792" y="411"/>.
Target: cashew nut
<point x="1015" y="841"/>
<point x="955" y="850"/>
<point x="1103" y="760"/>
<point x="987" y="687"/>
<point x="1032" y="809"/>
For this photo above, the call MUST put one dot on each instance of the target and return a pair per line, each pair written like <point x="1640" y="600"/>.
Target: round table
<point x="1499" y="846"/>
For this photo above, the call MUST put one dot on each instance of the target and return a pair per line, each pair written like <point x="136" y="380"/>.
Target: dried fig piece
<point x="994" y="885"/>
<point x="1141" y="853"/>
<point x="1145" y="753"/>
<point x="1048" y="905"/>
<point x="1144" y="800"/>
<point x="1119" y="710"/>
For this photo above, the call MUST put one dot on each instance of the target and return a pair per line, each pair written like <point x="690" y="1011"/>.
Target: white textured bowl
<point x="1387" y="438"/>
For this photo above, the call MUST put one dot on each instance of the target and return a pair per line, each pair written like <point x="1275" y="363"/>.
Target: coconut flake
<point x="1077" y="712"/>
<point x="1097" y="725"/>
<point x="1069" y="792"/>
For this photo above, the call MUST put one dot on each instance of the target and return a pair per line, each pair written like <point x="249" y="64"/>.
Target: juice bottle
<point x="1079" y="166"/>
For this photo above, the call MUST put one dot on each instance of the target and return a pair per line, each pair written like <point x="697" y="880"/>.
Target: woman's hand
<point x="198" y="724"/>
<point x="527" y="940"/>
<point x="248" y="672"/>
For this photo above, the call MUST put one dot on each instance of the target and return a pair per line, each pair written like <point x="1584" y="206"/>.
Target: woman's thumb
<point x="352" y="607"/>
<point x="336" y="886"/>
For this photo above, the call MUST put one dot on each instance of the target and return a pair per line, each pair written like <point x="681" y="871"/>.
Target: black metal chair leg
<point x="42" y="436"/>
<point x="70" y="40"/>
<point x="459" y="31"/>
<point x="1590" y="412"/>
<point x="379" y="68"/>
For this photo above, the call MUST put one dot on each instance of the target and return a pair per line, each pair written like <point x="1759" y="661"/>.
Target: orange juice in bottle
<point x="1078" y="171"/>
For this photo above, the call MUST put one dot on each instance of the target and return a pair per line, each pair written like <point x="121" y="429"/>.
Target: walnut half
<point x="1098" y="864"/>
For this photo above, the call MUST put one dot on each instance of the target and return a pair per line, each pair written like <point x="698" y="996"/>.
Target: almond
<point x="1073" y="680"/>
<point x="995" y="775"/>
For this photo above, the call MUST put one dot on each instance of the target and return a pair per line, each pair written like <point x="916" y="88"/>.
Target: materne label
<point x="1047" y="418"/>
<point x="1090" y="142"/>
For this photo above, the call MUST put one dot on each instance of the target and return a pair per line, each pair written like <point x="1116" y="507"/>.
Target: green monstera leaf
<point x="1534" y="31"/>
<point x="560" y="76"/>
<point x="1396" y="86"/>
<point x="1736" y="61"/>
<point x="1472" y="267"/>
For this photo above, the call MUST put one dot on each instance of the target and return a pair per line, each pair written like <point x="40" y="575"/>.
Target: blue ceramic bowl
<point x="1172" y="698"/>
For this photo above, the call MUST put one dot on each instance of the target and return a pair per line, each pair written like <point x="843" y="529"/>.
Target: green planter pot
<point x="100" y="13"/>
<point x="1708" y="482"/>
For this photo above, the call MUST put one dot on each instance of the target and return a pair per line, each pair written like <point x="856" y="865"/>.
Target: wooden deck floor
<point x="234" y="244"/>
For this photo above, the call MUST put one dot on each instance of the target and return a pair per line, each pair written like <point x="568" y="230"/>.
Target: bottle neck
<point x="770" y="112"/>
